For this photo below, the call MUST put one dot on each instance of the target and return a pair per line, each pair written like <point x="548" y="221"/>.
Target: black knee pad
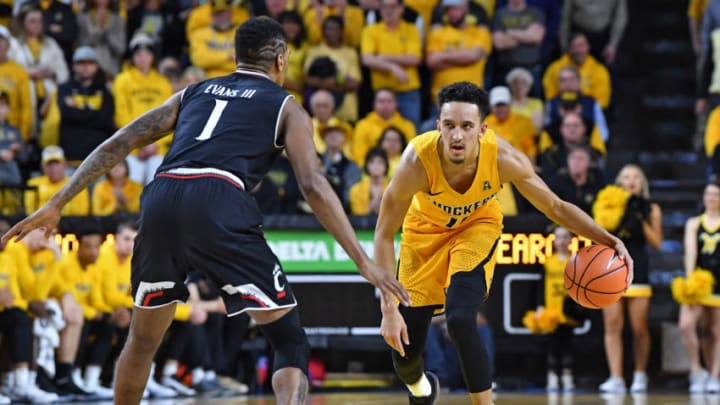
<point x="289" y="342"/>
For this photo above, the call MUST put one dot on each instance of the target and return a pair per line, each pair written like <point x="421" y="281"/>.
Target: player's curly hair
<point x="465" y="92"/>
<point x="259" y="41"/>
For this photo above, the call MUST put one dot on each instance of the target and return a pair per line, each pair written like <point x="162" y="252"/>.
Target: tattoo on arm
<point x="302" y="391"/>
<point x="146" y="129"/>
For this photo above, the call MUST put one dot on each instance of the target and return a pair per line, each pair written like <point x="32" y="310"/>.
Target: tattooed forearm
<point x="146" y="129"/>
<point x="302" y="391"/>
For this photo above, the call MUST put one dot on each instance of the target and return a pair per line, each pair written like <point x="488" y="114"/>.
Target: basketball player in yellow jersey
<point x="443" y="194"/>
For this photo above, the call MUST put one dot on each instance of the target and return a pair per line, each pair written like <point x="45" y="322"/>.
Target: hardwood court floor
<point x="455" y="399"/>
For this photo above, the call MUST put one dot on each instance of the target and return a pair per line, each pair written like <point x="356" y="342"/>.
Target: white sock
<point x="92" y="375"/>
<point x="210" y="375"/>
<point x="198" y="374"/>
<point x="421" y="388"/>
<point x="170" y="369"/>
<point x="21" y="376"/>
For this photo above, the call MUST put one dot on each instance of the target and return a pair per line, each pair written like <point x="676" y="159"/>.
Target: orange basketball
<point x="596" y="277"/>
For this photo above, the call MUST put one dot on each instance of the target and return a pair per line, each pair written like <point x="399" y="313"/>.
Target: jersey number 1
<point x="212" y="120"/>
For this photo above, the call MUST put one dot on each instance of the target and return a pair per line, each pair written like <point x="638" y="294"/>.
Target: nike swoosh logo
<point x="434" y="194"/>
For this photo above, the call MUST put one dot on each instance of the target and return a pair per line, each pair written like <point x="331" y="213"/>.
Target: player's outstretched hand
<point x="394" y="330"/>
<point x="623" y="254"/>
<point x="385" y="282"/>
<point x="47" y="218"/>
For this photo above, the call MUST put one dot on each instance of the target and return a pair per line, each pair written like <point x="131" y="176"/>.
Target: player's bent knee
<point x="289" y="342"/>
<point x="460" y="321"/>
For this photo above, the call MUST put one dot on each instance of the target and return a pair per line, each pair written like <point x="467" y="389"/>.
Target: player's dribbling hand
<point x="47" y="218"/>
<point x="385" y="282"/>
<point x="394" y="331"/>
<point x="625" y="256"/>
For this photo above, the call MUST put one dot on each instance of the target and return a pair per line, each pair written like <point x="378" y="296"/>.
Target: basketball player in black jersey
<point x="197" y="212"/>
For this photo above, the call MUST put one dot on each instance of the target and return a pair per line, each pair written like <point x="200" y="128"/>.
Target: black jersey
<point x="229" y="123"/>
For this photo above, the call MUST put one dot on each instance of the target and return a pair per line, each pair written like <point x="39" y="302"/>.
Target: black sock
<point x="64" y="370"/>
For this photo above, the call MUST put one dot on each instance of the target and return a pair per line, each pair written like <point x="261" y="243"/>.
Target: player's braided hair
<point x="259" y="41"/>
<point x="465" y="92"/>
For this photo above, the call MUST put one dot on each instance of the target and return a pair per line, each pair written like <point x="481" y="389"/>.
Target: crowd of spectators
<point x="367" y="71"/>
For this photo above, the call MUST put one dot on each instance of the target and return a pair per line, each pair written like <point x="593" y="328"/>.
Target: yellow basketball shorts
<point x="428" y="261"/>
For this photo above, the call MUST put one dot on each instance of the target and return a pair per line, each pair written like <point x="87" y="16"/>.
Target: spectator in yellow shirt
<point x="212" y="48"/>
<point x="79" y="272"/>
<point x="392" y="50"/>
<point x="369" y="129"/>
<point x="16" y="329"/>
<point x="515" y="128"/>
<point x="393" y="143"/>
<point x="16" y="82"/>
<point x="457" y="50"/>
<point x="520" y="81"/>
<point x="594" y="76"/>
<point x="139" y="88"/>
<point x="292" y="23"/>
<point x="712" y="140"/>
<point x="353" y="17"/>
<point x="53" y="179"/>
<point x="117" y="193"/>
<point x="37" y="259"/>
<point x="201" y="16"/>
<point x="366" y="195"/>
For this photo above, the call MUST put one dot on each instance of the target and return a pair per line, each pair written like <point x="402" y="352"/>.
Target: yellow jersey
<point x="37" y="273"/>
<point x="442" y="208"/>
<point x="116" y="286"/>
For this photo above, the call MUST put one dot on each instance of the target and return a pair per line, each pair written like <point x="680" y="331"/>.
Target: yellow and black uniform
<point x="594" y="79"/>
<point x="85" y="285"/>
<point x="38" y="275"/>
<point x="712" y="132"/>
<point x="9" y="279"/>
<point x="378" y="39"/>
<point x="449" y="38"/>
<point x="105" y="203"/>
<point x="368" y="132"/>
<point x="213" y="51"/>
<point x="708" y="257"/>
<point x="78" y="206"/>
<point x="15" y="81"/>
<point x="554" y="285"/>
<point x="631" y="233"/>
<point x="445" y="232"/>
<point x="115" y="277"/>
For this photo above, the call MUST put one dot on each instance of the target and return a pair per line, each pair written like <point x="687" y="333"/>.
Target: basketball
<point x="596" y="277"/>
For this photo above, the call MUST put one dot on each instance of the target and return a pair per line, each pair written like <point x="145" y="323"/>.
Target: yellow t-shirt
<point x="517" y="130"/>
<point x="353" y="18"/>
<point x="15" y="81"/>
<point x="594" y="79"/>
<point x="201" y="17"/>
<point x="531" y="107"/>
<point x="105" y="203"/>
<point x="442" y="207"/>
<point x="360" y="196"/>
<point x="296" y="63"/>
<point x="116" y="285"/>
<point x="78" y="206"/>
<point x="213" y="51"/>
<point x="377" y="39"/>
<point x="712" y="132"/>
<point x="449" y="38"/>
<point x="85" y="285"/>
<point x="369" y="130"/>
<point x="9" y="280"/>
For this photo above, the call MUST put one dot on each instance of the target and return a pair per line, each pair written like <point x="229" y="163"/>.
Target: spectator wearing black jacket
<point x="86" y="107"/>
<point x="580" y="182"/>
<point x="60" y="22"/>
